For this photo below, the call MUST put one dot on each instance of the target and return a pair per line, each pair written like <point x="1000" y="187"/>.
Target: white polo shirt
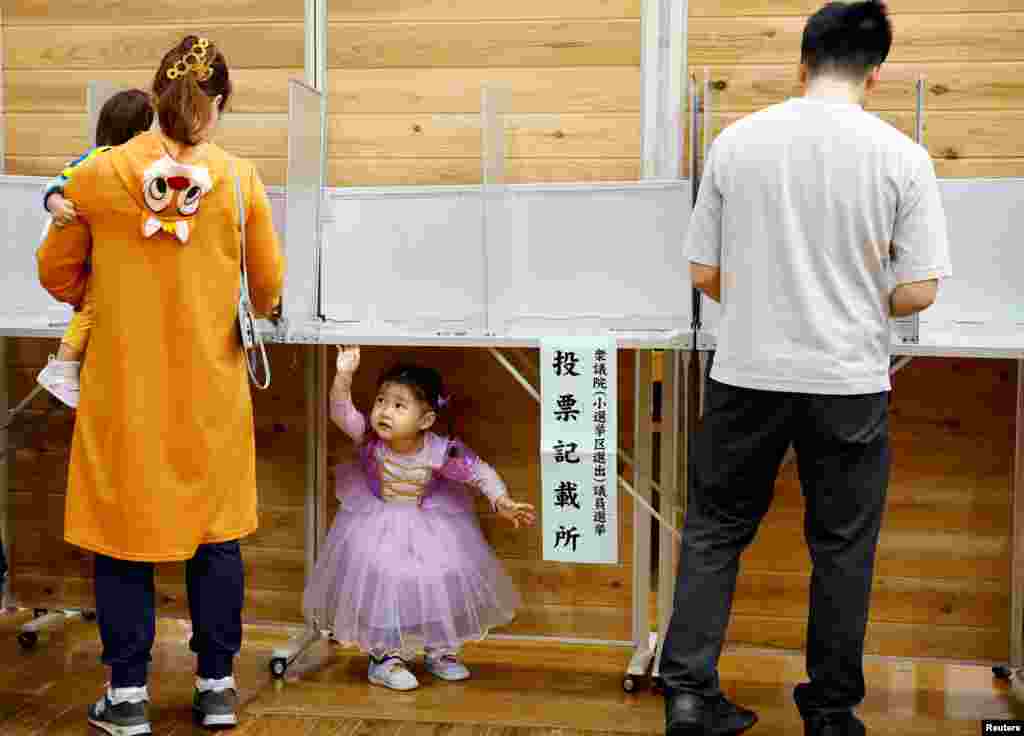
<point x="798" y="206"/>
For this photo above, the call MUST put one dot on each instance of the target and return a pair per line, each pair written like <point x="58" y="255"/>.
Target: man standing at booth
<point x="800" y="207"/>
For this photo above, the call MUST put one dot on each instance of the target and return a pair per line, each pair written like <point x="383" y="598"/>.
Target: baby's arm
<point x="487" y="481"/>
<point x="63" y="210"/>
<point x="343" y="411"/>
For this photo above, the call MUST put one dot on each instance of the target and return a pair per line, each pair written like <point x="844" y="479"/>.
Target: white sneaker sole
<point x="69" y="398"/>
<point x="390" y="685"/>
<point x="113" y="729"/>
<point x="448" y="678"/>
<point x="222" y="720"/>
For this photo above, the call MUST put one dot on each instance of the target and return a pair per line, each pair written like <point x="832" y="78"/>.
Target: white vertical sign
<point x="579" y="448"/>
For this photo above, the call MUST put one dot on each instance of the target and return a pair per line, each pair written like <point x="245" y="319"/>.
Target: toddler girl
<point x="405" y="562"/>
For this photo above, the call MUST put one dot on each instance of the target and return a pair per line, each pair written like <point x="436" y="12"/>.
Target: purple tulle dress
<point x="405" y="564"/>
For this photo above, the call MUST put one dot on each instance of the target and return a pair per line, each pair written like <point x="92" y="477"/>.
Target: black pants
<point x="842" y="449"/>
<point x="126" y="611"/>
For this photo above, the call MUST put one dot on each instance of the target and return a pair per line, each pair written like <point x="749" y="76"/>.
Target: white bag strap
<point x="244" y="301"/>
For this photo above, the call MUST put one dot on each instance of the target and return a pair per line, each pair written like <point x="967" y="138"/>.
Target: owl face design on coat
<point x="173" y="192"/>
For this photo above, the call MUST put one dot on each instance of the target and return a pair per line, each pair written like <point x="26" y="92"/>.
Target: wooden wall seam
<point x="3" y="96"/>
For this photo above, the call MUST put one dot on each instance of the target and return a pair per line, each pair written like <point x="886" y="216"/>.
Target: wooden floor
<point x="517" y="689"/>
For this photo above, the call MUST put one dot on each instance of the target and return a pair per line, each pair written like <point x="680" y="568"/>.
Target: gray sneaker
<point x="215" y="709"/>
<point x="122" y="719"/>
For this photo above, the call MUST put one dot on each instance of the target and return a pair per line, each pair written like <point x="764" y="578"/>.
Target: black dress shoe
<point x="687" y="714"/>
<point x="834" y="724"/>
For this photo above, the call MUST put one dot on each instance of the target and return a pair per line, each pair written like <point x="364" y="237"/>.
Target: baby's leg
<point x="76" y="337"/>
<point x="68" y="352"/>
<point x="60" y="376"/>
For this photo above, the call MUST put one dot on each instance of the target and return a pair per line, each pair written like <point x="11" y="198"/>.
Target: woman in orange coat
<point x="163" y="455"/>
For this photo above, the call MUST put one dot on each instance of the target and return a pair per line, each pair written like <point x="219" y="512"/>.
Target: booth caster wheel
<point x="633" y="683"/>
<point x="278" y="666"/>
<point x="1002" y="672"/>
<point x="28" y="639"/>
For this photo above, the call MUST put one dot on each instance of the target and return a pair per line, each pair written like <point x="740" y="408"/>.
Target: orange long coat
<point x="163" y="454"/>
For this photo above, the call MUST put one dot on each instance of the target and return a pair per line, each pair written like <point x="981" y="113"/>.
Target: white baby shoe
<point x="447" y="666"/>
<point x="393" y="673"/>
<point x="60" y="378"/>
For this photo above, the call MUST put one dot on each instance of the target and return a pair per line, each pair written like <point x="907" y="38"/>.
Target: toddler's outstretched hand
<point x="348" y="359"/>
<point x="517" y="513"/>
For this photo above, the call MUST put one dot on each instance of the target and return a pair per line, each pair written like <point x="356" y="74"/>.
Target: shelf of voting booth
<point x="456" y="276"/>
<point x="955" y="508"/>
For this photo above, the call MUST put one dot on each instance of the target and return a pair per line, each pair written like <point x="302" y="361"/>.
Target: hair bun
<point x="866" y="16"/>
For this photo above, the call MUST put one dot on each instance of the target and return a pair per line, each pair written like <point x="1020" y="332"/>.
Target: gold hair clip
<point x="194" y="60"/>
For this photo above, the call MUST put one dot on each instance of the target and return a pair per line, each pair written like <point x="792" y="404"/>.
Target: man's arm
<point x="921" y="244"/>
<point x="908" y="299"/>
<point x="703" y="246"/>
<point x="707" y="279"/>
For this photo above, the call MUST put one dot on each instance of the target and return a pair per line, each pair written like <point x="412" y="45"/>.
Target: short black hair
<point x="123" y="117"/>
<point x="847" y="39"/>
<point x="424" y="382"/>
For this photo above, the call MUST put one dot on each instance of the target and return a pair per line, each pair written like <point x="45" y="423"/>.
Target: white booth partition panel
<point x="404" y="259"/>
<point x="24" y="304"/>
<point x="278" y="208"/>
<point x="588" y="258"/>
<point x="981" y="307"/>
<point x="304" y="194"/>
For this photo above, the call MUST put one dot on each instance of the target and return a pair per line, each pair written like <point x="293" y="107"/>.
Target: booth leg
<point x="1016" y="667"/>
<point x="44" y="622"/>
<point x="644" y="640"/>
<point x="673" y="477"/>
<point x="315" y="502"/>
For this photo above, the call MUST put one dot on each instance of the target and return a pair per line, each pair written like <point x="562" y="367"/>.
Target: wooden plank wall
<point x="53" y="49"/>
<point x="405" y="80"/>
<point x="970" y="52"/>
